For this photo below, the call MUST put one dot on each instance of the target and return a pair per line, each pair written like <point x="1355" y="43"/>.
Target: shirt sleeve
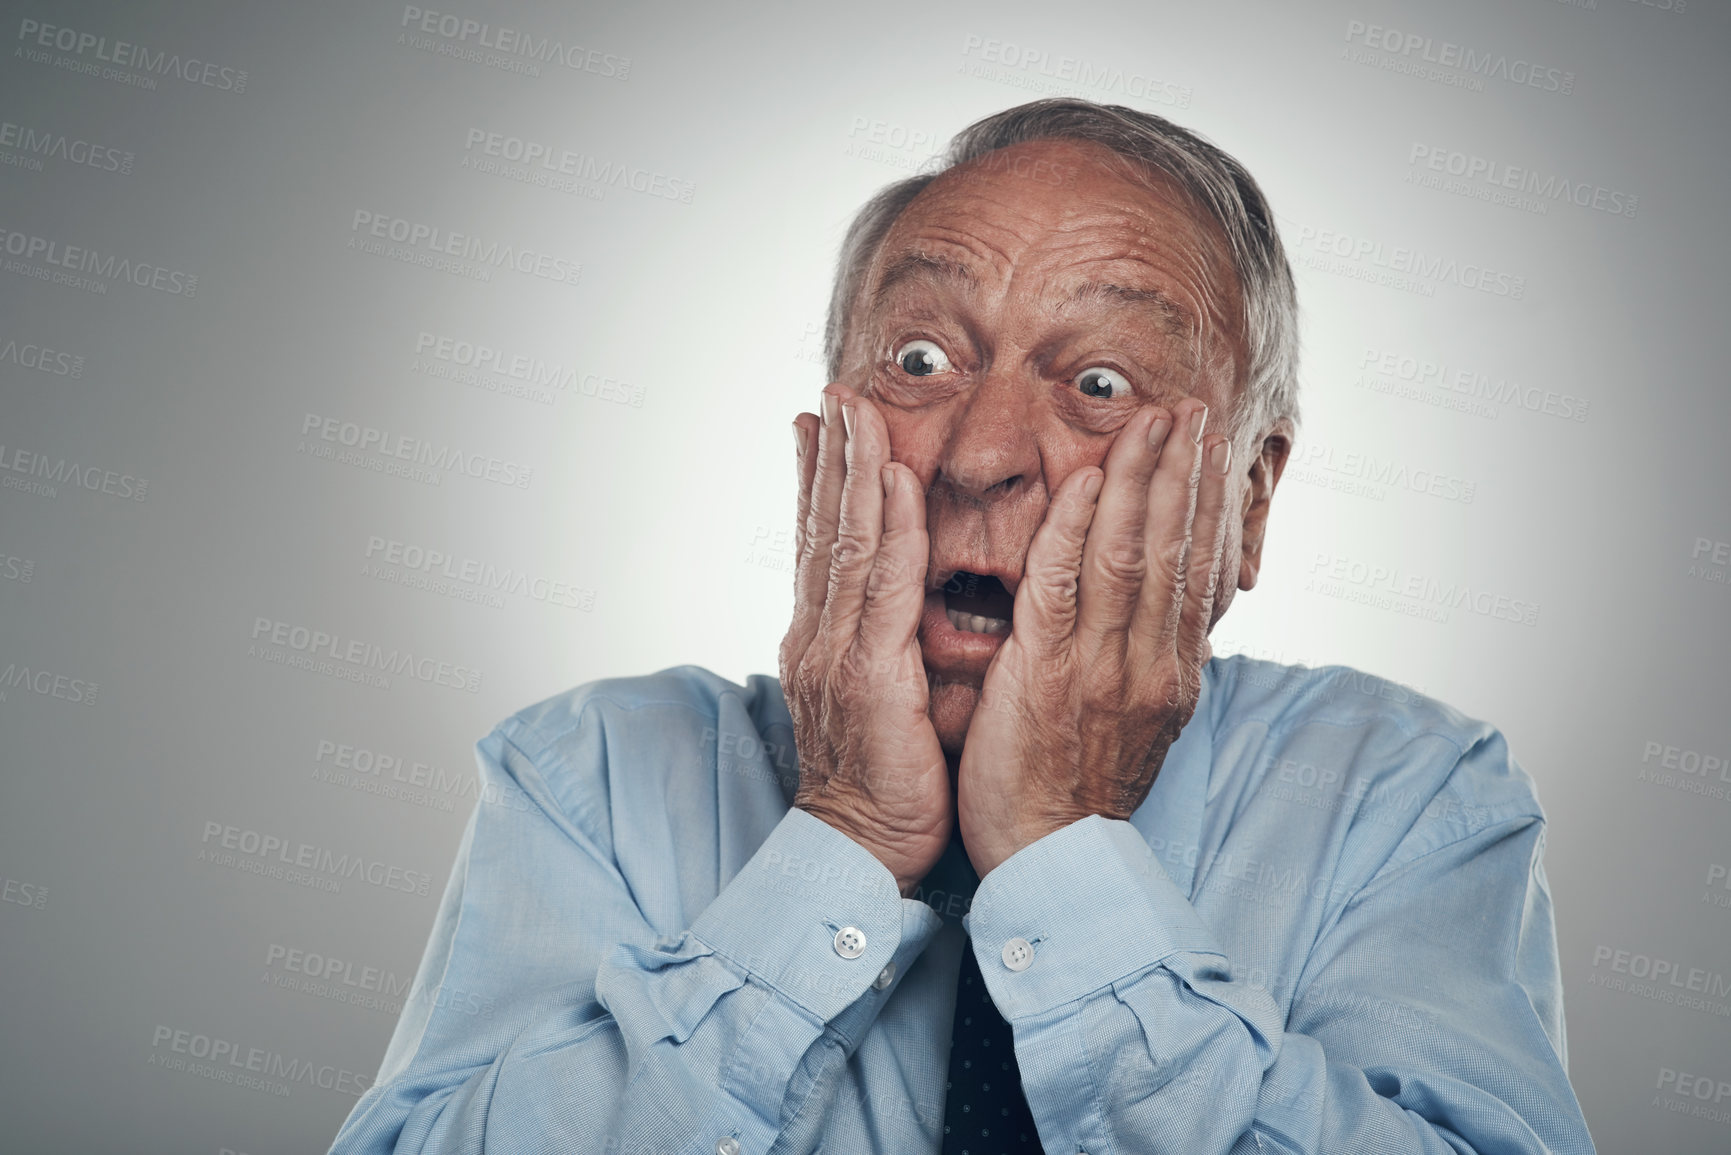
<point x="549" y="1015"/>
<point x="1428" y="1018"/>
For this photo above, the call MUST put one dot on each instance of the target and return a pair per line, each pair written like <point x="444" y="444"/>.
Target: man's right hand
<point x="869" y="760"/>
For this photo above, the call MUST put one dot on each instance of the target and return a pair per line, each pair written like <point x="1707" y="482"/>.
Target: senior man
<point x="1044" y="874"/>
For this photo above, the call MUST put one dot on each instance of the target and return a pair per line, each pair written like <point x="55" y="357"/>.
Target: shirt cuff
<point x="782" y="918"/>
<point x="1095" y="906"/>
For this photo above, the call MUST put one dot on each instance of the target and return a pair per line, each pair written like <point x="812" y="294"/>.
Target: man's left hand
<point x="1103" y="664"/>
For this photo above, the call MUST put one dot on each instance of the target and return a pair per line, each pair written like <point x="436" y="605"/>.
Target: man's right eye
<point x="921" y="358"/>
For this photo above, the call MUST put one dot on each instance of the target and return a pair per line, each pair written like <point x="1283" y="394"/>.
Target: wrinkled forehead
<point x="1054" y="218"/>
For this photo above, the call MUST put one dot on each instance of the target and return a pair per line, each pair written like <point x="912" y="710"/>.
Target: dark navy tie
<point x="985" y="1112"/>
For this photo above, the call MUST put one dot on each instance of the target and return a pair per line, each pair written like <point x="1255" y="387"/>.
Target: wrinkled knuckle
<point x="807" y="556"/>
<point x="1123" y="562"/>
<point x="881" y="581"/>
<point x="808" y="678"/>
<point x="1177" y="691"/>
<point x="853" y="670"/>
<point x="817" y="526"/>
<point x="849" y="554"/>
<point x="1170" y="560"/>
<point x="1055" y="586"/>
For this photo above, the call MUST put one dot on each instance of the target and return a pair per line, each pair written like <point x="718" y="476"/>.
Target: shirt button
<point x="1018" y="954"/>
<point x="849" y="943"/>
<point x="727" y="1145"/>
<point x="885" y="977"/>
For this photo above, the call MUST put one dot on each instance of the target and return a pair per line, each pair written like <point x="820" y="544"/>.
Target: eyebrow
<point x="923" y="266"/>
<point x="1174" y="316"/>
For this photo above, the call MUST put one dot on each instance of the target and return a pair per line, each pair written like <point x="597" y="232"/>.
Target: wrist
<point x="987" y="850"/>
<point x="903" y="867"/>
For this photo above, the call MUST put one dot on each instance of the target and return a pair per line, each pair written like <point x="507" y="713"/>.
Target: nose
<point x="990" y="453"/>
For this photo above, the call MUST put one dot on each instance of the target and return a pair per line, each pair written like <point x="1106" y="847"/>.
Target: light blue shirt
<point x="1327" y="929"/>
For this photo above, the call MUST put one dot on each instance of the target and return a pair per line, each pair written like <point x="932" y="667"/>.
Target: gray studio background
<point x="295" y="504"/>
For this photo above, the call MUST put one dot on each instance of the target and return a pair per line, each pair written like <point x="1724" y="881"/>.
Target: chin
<point x="952" y="708"/>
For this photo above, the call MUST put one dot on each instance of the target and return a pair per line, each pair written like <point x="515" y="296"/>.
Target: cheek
<point x="915" y="440"/>
<point x="1231" y="554"/>
<point x="1066" y="452"/>
<point x="1231" y="559"/>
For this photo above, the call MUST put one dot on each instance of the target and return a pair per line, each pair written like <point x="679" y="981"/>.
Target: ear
<point x="1265" y="470"/>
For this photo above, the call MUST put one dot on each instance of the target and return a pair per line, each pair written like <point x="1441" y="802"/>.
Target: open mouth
<point x="978" y="604"/>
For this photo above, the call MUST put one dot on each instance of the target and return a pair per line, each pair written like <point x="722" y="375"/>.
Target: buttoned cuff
<point x="816" y="917"/>
<point x="1078" y="910"/>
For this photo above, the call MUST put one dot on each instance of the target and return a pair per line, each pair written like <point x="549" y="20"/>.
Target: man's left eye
<point x="1102" y="383"/>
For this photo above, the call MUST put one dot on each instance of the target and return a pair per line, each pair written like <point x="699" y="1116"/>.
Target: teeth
<point x="976" y="624"/>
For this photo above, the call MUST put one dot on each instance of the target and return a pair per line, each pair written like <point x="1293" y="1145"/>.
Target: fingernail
<point x="830" y="402"/>
<point x="1091" y="487"/>
<point x="1157" y="430"/>
<point x="1198" y="419"/>
<point x="799" y="437"/>
<point x="888" y="476"/>
<point x="1220" y="457"/>
<point x="847" y="418"/>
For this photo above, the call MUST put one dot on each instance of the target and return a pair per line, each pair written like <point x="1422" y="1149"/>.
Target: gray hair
<point x="1219" y="185"/>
